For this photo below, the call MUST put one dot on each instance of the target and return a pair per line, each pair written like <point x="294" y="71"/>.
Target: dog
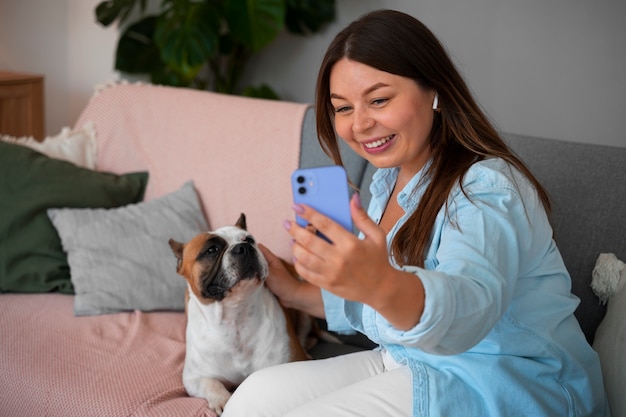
<point x="235" y="325"/>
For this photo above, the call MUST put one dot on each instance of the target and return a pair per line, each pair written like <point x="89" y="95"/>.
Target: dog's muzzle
<point x="247" y="261"/>
<point x="244" y="264"/>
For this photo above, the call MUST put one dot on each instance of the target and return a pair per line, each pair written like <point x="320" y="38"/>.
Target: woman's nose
<point x="362" y="121"/>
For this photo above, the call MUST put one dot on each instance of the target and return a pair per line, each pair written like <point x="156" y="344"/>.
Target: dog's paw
<point x="216" y="395"/>
<point x="217" y="402"/>
<point x="212" y="390"/>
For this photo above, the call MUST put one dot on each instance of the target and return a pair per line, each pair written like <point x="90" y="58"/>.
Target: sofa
<point x="91" y="310"/>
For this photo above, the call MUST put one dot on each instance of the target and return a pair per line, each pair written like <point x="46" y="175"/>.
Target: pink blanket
<point x="54" y="364"/>
<point x="239" y="151"/>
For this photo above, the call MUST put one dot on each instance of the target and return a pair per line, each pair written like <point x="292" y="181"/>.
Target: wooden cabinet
<point x="21" y="104"/>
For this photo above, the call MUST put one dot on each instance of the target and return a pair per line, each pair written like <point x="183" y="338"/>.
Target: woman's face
<point x="383" y="117"/>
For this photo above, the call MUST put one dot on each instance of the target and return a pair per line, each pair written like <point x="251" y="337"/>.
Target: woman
<point x="455" y="274"/>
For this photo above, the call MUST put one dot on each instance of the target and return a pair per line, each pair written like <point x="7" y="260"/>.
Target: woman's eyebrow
<point x="366" y="92"/>
<point x="374" y="88"/>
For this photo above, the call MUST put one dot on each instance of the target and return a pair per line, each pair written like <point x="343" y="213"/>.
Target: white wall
<point x="553" y="68"/>
<point x="61" y="40"/>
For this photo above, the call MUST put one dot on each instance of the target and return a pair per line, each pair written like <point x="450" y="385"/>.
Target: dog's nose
<point x="241" y="249"/>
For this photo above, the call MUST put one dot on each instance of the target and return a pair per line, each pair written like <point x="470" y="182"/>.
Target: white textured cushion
<point x="609" y="275"/>
<point x="120" y="258"/>
<point x="76" y="146"/>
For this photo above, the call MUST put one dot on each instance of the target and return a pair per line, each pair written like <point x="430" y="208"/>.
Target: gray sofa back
<point x="587" y="186"/>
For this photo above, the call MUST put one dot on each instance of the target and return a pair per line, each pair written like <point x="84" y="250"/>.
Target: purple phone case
<point x="326" y="190"/>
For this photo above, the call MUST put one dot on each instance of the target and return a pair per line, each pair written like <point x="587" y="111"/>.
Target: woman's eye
<point x="379" y="101"/>
<point x="341" y="109"/>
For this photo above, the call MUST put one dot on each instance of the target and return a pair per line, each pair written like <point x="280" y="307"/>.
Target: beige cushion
<point x="610" y="342"/>
<point x="77" y="146"/>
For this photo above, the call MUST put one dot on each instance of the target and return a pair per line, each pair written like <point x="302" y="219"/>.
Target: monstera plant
<point x="206" y="44"/>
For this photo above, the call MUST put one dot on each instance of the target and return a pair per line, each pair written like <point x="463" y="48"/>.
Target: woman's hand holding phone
<point x="348" y="266"/>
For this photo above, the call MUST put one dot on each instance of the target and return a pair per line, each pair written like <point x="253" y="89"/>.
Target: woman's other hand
<point x="291" y="291"/>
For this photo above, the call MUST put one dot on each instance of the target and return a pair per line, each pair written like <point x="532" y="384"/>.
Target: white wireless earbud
<point x="436" y="102"/>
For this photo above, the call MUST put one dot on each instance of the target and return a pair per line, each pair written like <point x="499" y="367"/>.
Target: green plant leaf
<point x="165" y="76"/>
<point x="206" y="43"/>
<point x="136" y="51"/>
<point x="255" y="23"/>
<point x="187" y="36"/>
<point x="308" y="16"/>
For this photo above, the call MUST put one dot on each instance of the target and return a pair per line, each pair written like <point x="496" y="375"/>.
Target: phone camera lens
<point x="302" y="190"/>
<point x="300" y="179"/>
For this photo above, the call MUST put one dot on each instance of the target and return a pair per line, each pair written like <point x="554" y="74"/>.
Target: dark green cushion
<point x="31" y="255"/>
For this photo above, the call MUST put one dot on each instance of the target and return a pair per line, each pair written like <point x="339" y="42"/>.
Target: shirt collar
<point x="384" y="179"/>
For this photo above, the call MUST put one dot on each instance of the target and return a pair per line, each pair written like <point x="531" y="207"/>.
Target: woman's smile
<point x="375" y="146"/>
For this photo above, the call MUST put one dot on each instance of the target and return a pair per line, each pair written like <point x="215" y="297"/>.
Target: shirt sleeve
<point x="471" y="270"/>
<point x="335" y="313"/>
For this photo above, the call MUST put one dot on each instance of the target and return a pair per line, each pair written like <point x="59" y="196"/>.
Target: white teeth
<point x="379" y="142"/>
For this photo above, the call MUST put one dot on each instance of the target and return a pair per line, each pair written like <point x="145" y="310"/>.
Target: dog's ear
<point x="177" y="248"/>
<point x="241" y="223"/>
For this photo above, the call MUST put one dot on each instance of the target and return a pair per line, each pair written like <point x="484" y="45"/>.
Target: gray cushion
<point x="120" y="258"/>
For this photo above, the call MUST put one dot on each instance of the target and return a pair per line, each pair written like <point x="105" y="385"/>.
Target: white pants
<point x="366" y="383"/>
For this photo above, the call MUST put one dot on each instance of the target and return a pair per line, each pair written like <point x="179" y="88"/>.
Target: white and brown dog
<point x="235" y="325"/>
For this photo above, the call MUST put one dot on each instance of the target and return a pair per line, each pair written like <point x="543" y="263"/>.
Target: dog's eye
<point x="250" y="240"/>
<point x="212" y="250"/>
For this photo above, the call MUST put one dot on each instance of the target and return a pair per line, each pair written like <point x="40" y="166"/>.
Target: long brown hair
<point x="461" y="135"/>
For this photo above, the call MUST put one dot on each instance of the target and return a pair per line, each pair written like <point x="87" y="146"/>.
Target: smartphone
<point x="326" y="190"/>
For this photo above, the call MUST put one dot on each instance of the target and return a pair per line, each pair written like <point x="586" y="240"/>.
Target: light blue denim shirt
<point x="498" y="336"/>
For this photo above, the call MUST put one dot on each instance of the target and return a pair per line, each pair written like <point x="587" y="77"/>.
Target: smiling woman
<point x="455" y="274"/>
